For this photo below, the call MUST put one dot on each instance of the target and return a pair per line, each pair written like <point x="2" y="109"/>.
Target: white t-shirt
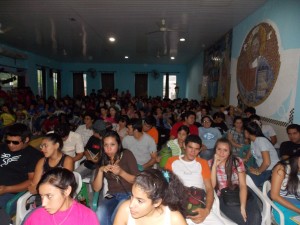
<point x="84" y="133"/>
<point x="73" y="144"/>
<point x="262" y="144"/>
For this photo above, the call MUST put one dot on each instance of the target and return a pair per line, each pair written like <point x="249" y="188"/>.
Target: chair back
<point x="259" y="194"/>
<point x="270" y="220"/>
<point x="78" y="181"/>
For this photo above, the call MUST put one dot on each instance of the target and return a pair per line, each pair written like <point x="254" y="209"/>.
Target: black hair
<point x="189" y="113"/>
<point x="219" y="115"/>
<point x="293" y="126"/>
<point x="62" y="130"/>
<point x="194" y="139"/>
<point x="60" y="178"/>
<point x="163" y="185"/>
<point x="185" y="128"/>
<point x="231" y="161"/>
<point x="55" y="138"/>
<point x="293" y="182"/>
<point x="150" y="120"/>
<point x="18" y="129"/>
<point x="254" y="117"/>
<point x="89" y="114"/>
<point x="254" y="129"/>
<point x="250" y="109"/>
<point x="237" y="118"/>
<point x="136" y="124"/>
<point x="118" y="155"/>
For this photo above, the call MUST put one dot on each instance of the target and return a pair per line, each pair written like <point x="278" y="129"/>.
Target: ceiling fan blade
<point x="174" y="30"/>
<point x="153" y="32"/>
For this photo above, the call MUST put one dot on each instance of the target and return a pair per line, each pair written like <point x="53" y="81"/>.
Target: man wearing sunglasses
<point x="17" y="162"/>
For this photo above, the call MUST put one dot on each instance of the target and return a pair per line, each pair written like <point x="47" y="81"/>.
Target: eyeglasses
<point x="43" y="145"/>
<point x="206" y="121"/>
<point x="13" y="142"/>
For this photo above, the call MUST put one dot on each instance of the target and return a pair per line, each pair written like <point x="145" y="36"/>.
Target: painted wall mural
<point x="258" y="64"/>
<point x="216" y="77"/>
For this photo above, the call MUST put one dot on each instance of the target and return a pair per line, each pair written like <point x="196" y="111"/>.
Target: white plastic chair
<point x="260" y="195"/>
<point x="217" y="211"/>
<point x="270" y="220"/>
<point x="21" y="211"/>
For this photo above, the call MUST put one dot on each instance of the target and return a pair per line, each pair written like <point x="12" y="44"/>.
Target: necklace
<point x="64" y="220"/>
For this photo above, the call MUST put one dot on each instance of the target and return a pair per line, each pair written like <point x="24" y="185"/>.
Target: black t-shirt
<point x="221" y="126"/>
<point x="287" y="148"/>
<point x="15" y="166"/>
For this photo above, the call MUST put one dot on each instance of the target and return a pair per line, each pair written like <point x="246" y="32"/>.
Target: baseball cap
<point x="99" y="127"/>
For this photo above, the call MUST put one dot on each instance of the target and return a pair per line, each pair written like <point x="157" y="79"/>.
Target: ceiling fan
<point x="162" y="27"/>
<point x="3" y="31"/>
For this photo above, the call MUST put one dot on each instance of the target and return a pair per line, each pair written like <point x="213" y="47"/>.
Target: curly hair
<point x="163" y="185"/>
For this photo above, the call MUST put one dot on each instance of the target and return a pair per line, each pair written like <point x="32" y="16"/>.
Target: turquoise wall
<point x="194" y="78"/>
<point x="124" y="74"/>
<point x="124" y="77"/>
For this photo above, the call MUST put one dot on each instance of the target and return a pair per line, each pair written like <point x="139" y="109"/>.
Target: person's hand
<point x="32" y="188"/>
<point x="2" y="189"/>
<point x="252" y="170"/>
<point x="105" y="169"/>
<point x="158" y="158"/>
<point x="115" y="169"/>
<point x="217" y="160"/>
<point x="201" y="216"/>
<point x="244" y="214"/>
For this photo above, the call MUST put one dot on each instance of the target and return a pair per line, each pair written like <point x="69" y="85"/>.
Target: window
<point x="40" y="82"/>
<point x="8" y="81"/>
<point x="172" y="85"/>
<point x="54" y="78"/>
<point x="84" y="84"/>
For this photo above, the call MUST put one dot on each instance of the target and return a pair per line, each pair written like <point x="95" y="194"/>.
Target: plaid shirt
<point x="222" y="177"/>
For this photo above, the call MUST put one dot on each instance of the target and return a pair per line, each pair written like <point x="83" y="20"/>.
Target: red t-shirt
<point x="193" y="129"/>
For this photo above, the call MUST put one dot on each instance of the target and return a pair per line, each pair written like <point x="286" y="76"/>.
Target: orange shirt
<point x="153" y="132"/>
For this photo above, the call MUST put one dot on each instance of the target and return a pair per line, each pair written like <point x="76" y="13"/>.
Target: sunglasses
<point x="13" y="142"/>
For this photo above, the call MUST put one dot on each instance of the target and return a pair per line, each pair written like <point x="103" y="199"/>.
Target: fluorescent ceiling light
<point x="172" y="57"/>
<point x="182" y="39"/>
<point x="126" y="57"/>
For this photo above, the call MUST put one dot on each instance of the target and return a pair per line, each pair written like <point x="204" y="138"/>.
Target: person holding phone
<point x="119" y="167"/>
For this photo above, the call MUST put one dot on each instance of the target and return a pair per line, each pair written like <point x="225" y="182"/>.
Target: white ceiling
<point x="77" y="30"/>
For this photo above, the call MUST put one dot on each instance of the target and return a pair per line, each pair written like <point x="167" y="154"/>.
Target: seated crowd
<point x="119" y="139"/>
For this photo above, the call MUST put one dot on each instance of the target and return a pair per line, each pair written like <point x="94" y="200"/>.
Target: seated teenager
<point x="57" y="188"/>
<point x="157" y="198"/>
<point x="285" y="191"/>
<point x="17" y="162"/>
<point x="119" y="167"/>
<point x="51" y="146"/>
<point x="225" y="165"/>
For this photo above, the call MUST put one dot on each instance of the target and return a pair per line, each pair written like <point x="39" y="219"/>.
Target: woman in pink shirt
<point x="57" y="188"/>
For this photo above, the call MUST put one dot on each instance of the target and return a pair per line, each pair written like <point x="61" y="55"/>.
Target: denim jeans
<point x="261" y="178"/>
<point x="5" y="198"/>
<point x="234" y="212"/>
<point x="107" y="208"/>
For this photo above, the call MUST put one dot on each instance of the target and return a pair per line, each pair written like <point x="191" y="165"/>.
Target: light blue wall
<point x="31" y="64"/>
<point x="285" y="16"/>
<point x="194" y="78"/>
<point x="124" y="74"/>
<point x="124" y="77"/>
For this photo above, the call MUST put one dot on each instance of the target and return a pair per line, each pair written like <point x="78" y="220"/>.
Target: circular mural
<point x="258" y="65"/>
